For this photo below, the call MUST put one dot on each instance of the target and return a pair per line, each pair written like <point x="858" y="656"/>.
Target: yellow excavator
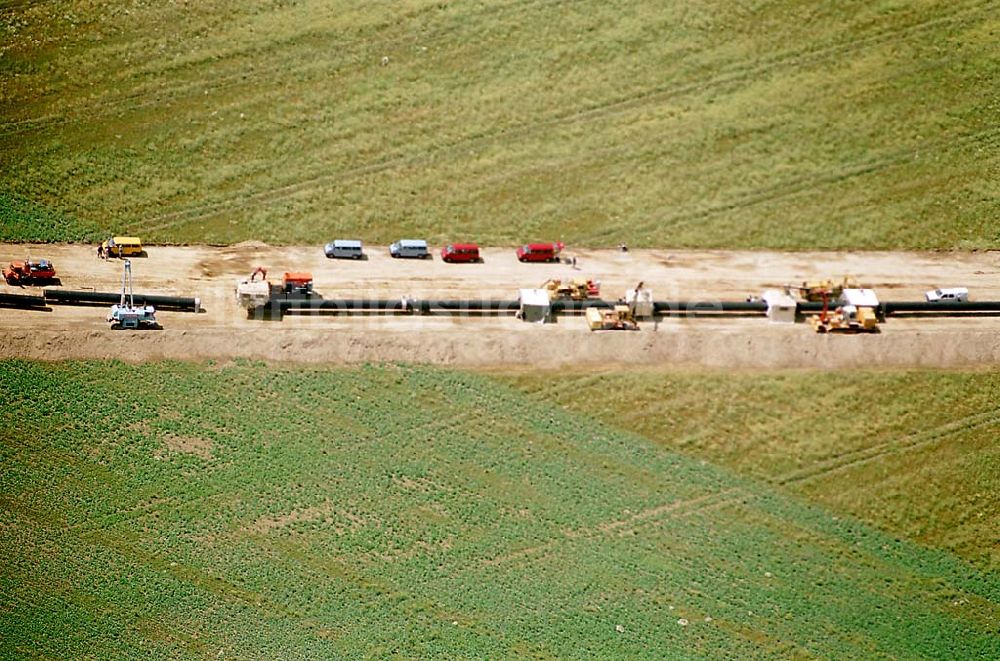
<point x="619" y="317"/>
<point x="814" y="291"/>
<point x="577" y="289"/>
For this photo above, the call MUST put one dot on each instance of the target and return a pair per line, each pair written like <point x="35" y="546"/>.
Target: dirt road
<point x="223" y="332"/>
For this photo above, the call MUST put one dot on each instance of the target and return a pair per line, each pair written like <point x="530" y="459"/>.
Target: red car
<point x="460" y="252"/>
<point x="540" y="252"/>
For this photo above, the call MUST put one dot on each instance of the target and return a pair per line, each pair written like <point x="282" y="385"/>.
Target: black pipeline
<point x="24" y="301"/>
<point x="389" y="305"/>
<point x="944" y="309"/>
<point x="662" y="308"/>
<point x="498" y="306"/>
<point x="70" y="297"/>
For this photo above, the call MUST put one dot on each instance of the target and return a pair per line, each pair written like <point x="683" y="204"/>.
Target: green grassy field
<point x="259" y="511"/>
<point x="913" y="453"/>
<point x="782" y="124"/>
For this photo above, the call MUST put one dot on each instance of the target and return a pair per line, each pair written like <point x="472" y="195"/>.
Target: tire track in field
<point x="606" y="109"/>
<point x="173" y="92"/>
<point x="672" y="510"/>
<point x="237" y="78"/>
<point x="203" y="578"/>
<point x="621" y="527"/>
<point x="812" y="181"/>
<point x="865" y="455"/>
<point x="737" y="73"/>
<point x="782" y="189"/>
<point x="166" y="94"/>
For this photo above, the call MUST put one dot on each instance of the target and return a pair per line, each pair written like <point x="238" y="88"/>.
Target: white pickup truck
<point x="952" y="295"/>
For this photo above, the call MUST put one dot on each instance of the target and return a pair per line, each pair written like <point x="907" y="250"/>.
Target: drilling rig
<point x="126" y="314"/>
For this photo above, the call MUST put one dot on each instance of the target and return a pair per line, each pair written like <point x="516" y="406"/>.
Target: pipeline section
<point x="23" y="301"/>
<point x="944" y="309"/>
<point x="281" y="305"/>
<point x="160" y="302"/>
<point x="662" y="308"/>
<point x="306" y="305"/>
<point x="492" y="305"/>
<point x="501" y="306"/>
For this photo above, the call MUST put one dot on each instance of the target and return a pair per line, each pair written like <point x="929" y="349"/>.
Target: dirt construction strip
<point x="222" y="331"/>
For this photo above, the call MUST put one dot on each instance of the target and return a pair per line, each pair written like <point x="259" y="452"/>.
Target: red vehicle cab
<point x="460" y="252"/>
<point x="298" y="284"/>
<point x="540" y="252"/>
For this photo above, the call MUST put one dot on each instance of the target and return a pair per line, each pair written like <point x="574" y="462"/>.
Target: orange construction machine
<point x="30" y="272"/>
<point x="297" y="284"/>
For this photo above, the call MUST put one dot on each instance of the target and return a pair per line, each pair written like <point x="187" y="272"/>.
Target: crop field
<point x="913" y="453"/>
<point x="788" y="125"/>
<point x="247" y="510"/>
<point x="266" y="510"/>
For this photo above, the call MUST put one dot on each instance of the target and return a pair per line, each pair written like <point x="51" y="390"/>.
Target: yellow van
<point x="122" y="246"/>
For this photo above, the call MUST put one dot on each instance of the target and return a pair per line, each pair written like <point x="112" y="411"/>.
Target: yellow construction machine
<point x="617" y="318"/>
<point x="814" y="291"/>
<point x="846" y="318"/>
<point x="620" y="317"/>
<point x="577" y="289"/>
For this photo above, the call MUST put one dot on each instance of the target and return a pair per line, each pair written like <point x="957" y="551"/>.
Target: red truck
<point x="540" y="252"/>
<point x="460" y="252"/>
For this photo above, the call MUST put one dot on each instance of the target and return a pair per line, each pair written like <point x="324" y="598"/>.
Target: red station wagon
<point x="540" y="252"/>
<point x="460" y="252"/>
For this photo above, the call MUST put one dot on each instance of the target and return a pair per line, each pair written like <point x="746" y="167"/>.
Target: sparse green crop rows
<point x="181" y="509"/>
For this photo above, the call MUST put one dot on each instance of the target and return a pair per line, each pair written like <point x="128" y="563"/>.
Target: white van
<point x="952" y="295"/>
<point x="416" y="248"/>
<point x="344" y="249"/>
